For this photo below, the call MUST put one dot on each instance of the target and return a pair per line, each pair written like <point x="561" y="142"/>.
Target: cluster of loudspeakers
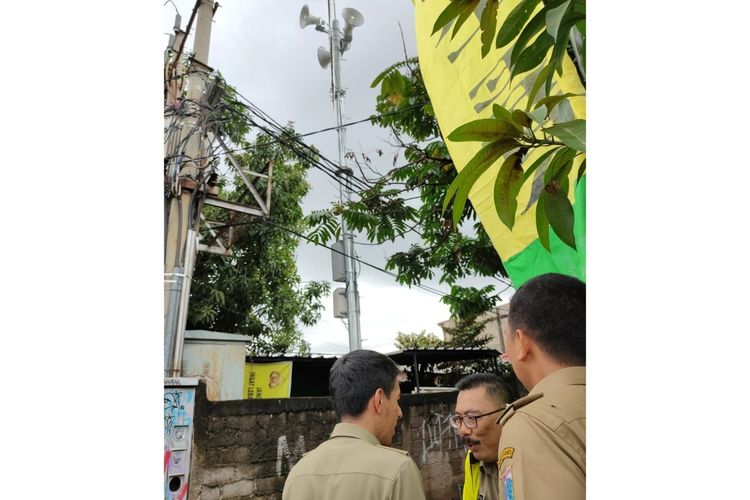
<point x="352" y="19"/>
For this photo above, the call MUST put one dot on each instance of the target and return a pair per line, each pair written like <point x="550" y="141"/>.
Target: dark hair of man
<point x="493" y="384"/>
<point x="356" y="376"/>
<point x="551" y="309"/>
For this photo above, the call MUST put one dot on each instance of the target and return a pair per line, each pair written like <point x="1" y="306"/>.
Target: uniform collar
<point x="344" y="429"/>
<point x="488" y="467"/>
<point x="570" y="375"/>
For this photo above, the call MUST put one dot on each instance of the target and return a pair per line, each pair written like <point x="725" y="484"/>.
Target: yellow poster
<point x="267" y="380"/>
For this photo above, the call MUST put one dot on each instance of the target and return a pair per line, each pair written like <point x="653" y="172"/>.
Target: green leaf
<point x="515" y="22"/>
<point x="561" y="43"/>
<point x="560" y="166"/>
<point x="501" y="113"/>
<point x="581" y="171"/>
<point x="579" y="6"/>
<point x="554" y="100"/>
<point x="541" y="77"/>
<point x="461" y="185"/>
<point x="468" y="10"/>
<point x="535" y="26"/>
<point x="542" y="224"/>
<point x="453" y="10"/>
<point x="520" y="118"/>
<point x="392" y="67"/>
<point x="559" y="212"/>
<point x="554" y="16"/>
<point x="484" y="129"/>
<point x="539" y="114"/>
<point x="572" y="133"/>
<point x="533" y="55"/>
<point x="488" y="23"/>
<point x="537" y="163"/>
<point x="463" y="191"/>
<point x="538" y="184"/>
<point x="507" y="184"/>
<point x="516" y="119"/>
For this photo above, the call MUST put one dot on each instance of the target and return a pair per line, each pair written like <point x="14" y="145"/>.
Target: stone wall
<point x="244" y="449"/>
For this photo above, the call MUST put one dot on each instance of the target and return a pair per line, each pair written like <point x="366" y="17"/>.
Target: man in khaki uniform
<point x="357" y="461"/>
<point x="481" y="396"/>
<point x="542" y="451"/>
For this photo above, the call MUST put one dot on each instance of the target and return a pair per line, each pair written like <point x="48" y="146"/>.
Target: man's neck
<point x="362" y="421"/>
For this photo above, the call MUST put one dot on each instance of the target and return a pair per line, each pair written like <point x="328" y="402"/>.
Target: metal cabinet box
<point x="218" y="356"/>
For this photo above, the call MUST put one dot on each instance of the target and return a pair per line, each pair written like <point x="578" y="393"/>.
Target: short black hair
<point x="492" y="383"/>
<point x="356" y="376"/>
<point x="551" y="309"/>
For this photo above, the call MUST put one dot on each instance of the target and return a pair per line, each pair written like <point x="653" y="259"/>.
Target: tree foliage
<point x="421" y="340"/>
<point x="257" y="290"/>
<point x="407" y="200"/>
<point x="541" y="32"/>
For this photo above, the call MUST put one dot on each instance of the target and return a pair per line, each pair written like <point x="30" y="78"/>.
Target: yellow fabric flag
<point x="463" y="86"/>
<point x="267" y="380"/>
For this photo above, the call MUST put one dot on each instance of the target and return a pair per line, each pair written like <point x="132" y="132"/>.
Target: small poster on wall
<point x="267" y="380"/>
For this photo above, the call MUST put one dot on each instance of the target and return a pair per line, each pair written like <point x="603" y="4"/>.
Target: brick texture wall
<point x="245" y="449"/>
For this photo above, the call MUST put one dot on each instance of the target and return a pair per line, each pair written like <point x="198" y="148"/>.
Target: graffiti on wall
<point x="282" y="452"/>
<point x="178" y="420"/>
<point x="438" y="435"/>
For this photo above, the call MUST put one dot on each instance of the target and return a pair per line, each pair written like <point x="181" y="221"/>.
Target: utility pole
<point x="345" y="188"/>
<point x="338" y="45"/>
<point x="184" y="202"/>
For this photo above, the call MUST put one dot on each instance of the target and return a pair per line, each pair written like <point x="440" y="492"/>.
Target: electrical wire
<point x="327" y="129"/>
<point x="304" y="150"/>
<point x="264" y="116"/>
<point x="282" y="136"/>
<point x="293" y="142"/>
<point x="310" y="240"/>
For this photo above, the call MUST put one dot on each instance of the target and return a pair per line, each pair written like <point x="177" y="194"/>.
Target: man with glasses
<point x="542" y="452"/>
<point x="481" y="397"/>
<point x="358" y="461"/>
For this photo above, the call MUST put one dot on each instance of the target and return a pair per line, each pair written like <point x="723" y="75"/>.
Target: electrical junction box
<point x="338" y="264"/>
<point x="220" y="357"/>
<point x="340" y="304"/>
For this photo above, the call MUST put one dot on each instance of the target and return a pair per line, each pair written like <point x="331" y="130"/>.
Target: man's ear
<point x="377" y="400"/>
<point x="523" y="344"/>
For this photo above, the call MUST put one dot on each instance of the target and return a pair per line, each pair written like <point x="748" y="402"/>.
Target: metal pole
<point x="191" y="250"/>
<point x="176" y="252"/>
<point x="345" y="189"/>
<point x="416" y="371"/>
<point x="174" y="281"/>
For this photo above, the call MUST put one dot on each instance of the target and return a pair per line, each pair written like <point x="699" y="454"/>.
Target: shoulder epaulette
<point x="515" y="405"/>
<point x="394" y="449"/>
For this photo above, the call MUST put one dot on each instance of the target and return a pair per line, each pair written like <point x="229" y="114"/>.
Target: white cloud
<point x="385" y="311"/>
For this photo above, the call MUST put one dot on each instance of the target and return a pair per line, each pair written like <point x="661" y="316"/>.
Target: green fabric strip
<point x="535" y="259"/>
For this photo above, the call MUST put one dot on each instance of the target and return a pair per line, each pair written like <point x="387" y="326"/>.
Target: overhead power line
<point x="300" y="235"/>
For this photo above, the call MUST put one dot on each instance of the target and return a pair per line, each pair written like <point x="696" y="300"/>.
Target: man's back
<point x="352" y="463"/>
<point x="543" y="442"/>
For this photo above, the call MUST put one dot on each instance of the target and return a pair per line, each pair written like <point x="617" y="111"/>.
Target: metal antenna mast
<point x="339" y="43"/>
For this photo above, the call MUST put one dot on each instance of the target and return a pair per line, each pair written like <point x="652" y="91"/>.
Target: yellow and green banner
<point x="463" y="86"/>
<point x="267" y="380"/>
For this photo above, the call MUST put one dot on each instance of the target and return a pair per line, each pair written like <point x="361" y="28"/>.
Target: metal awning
<point x="439" y="355"/>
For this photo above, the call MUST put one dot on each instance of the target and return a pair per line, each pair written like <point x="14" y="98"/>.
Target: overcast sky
<point x="261" y="50"/>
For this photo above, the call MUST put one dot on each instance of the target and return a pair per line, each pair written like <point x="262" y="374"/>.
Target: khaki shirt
<point x="353" y="465"/>
<point x="542" y="451"/>
<point x="487" y="487"/>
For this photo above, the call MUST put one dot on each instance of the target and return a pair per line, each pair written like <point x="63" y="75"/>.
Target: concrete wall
<point x="244" y="449"/>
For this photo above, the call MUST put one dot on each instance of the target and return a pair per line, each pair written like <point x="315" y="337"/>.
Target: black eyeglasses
<point x="469" y="421"/>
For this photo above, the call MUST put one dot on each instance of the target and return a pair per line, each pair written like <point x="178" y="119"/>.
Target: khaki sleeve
<point x="534" y="464"/>
<point x="408" y="484"/>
